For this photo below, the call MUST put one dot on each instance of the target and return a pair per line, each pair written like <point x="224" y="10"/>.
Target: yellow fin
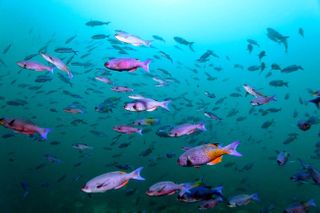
<point x="122" y="184"/>
<point x="215" y="161"/>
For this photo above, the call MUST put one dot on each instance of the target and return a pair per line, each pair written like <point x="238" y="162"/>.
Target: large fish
<point x="131" y="39"/>
<point x="278" y="38"/>
<point x="111" y="180"/>
<point x="127" y="64"/>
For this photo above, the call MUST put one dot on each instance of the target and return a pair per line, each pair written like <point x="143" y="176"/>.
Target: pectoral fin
<point x="215" y="161"/>
<point x="122" y="184"/>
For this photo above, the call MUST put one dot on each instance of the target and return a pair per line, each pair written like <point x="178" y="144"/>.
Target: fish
<point x="166" y="55"/>
<point x="186" y="129"/>
<point x="95" y="23"/>
<point x="26" y="188"/>
<point x="278" y="83"/>
<point x="127" y="64"/>
<point x="52" y="159"/>
<point x="282" y="157"/>
<point x="301" y="32"/>
<point x="103" y="79"/>
<point x="292" y="68"/>
<point x="6" y="49"/>
<point x="31" y="65"/>
<point x="163" y="188"/>
<point x="253" y="42"/>
<point x="81" y="146"/>
<point x="183" y="41"/>
<point x="146" y="122"/>
<point x="24" y="127"/>
<point x="132" y="39"/>
<point x="159" y="38"/>
<point x="199" y="192"/>
<point x="70" y="39"/>
<point x="262" y="54"/>
<point x="209" y="204"/>
<point x="261" y="100"/>
<point x="250" y="90"/>
<point x="300" y="176"/>
<point x="58" y="63"/>
<point x="267" y="124"/>
<point x="301" y="207"/>
<point x="210" y="154"/>
<point x="212" y="116"/>
<point x="66" y="50"/>
<point x="141" y="103"/>
<point x="275" y="66"/>
<point x="242" y="200"/>
<point x="111" y="180"/>
<point x="121" y="89"/>
<point x="275" y="36"/>
<point x="99" y="36"/>
<point x="127" y="129"/>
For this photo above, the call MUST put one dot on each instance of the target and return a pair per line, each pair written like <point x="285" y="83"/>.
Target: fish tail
<point x="191" y="46"/>
<point x="202" y="126"/>
<point x="311" y="202"/>
<point x="75" y="52"/>
<point x="145" y="65"/>
<point x="136" y="174"/>
<point x="165" y="105"/>
<point x="286" y="84"/>
<point x="255" y="197"/>
<point x="70" y="75"/>
<point x="44" y="132"/>
<point x="148" y="43"/>
<point x="316" y="101"/>
<point x="140" y="132"/>
<point x="218" y="190"/>
<point x="273" y="98"/>
<point x="231" y="148"/>
<point x="51" y="70"/>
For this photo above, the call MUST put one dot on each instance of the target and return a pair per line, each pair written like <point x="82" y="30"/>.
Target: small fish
<point x="103" y="79"/>
<point x="111" y="180"/>
<point x="186" y="129"/>
<point x="127" y="129"/>
<point x="301" y="207"/>
<point x="132" y="39"/>
<point x="141" y="103"/>
<point x="184" y="42"/>
<point x="146" y="122"/>
<point x="282" y="157"/>
<point x="212" y="116"/>
<point x="262" y="100"/>
<point x="292" y="68"/>
<point x="127" y="64"/>
<point x="275" y="36"/>
<point x="99" y="36"/>
<point x="24" y="127"/>
<point x="242" y="200"/>
<point x="301" y="32"/>
<point x="30" y="65"/>
<point x="81" y="146"/>
<point x="209" y="154"/>
<point x="121" y="89"/>
<point x="278" y="83"/>
<point x="57" y="62"/>
<point x="95" y="23"/>
<point x="209" y="204"/>
<point x="70" y="39"/>
<point x="159" y="38"/>
<point x="65" y="50"/>
<point x="26" y="188"/>
<point x="6" y="49"/>
<point x="252" y="91"/>
<point x="253" y="42"/>
<point x="52" y="159"/>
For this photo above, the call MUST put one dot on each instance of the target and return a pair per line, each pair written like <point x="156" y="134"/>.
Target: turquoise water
<point x="222" y="27"/>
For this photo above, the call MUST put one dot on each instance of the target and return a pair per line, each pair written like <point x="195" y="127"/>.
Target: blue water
<point x="220" y="26"/>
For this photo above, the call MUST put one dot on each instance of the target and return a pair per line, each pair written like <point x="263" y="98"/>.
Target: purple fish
<point x="261" y="100"/>
<point x="58" y="63"/>
<point x="163" y="188"/>
<point x="127" y="129"/>
<point x="111" y="180"/>
<point x="30" y="65"/>
<point x="121" y="89"/>
<point x="141" y="103"/>
<point x="301" y="207"/>
<point x="282" y="158"/>
<point x="127" y="64"/>
<point x="186" y="129"/>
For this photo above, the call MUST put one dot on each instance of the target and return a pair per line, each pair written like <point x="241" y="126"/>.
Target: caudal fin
<point x="316" y="101"/>
<point x="136" y="174"/>
<point x="140" y="132"/>
<point x="165" y="105"/>
<point x="148" y="43"/>
<point x="145" y="65"/>
<point x="218" y="190"/>
<point x="255" y="197"/>
<point x="191" y="46"/>
<point x="70" y="75"/>
<point x="44" y="132"/>
<point x="231" y="148"/>
<point x="202" y="126"/>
